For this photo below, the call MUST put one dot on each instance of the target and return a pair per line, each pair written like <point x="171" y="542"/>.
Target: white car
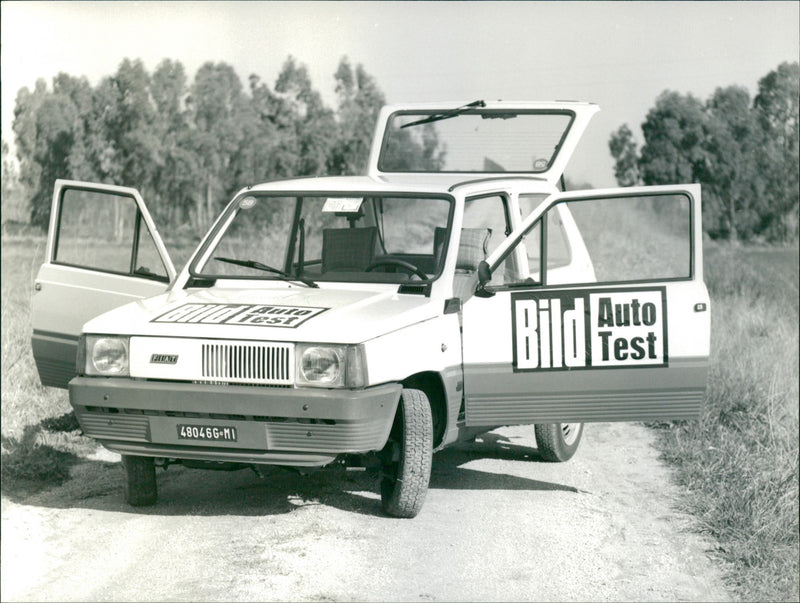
<point x="373" y="320"/>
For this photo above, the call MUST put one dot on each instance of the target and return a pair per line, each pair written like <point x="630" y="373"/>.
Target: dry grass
<point x="24" y="400"/>
<point x="32" y="455"/>
<point x="740" y="462"/>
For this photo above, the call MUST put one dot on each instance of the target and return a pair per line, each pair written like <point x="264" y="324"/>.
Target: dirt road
<point x="497" y="525"/>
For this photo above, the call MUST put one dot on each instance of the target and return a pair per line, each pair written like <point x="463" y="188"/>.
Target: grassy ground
<point x="37" y="449"/>
<point x="739" y="463"/>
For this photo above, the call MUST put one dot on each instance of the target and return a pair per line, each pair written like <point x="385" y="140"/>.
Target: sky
<point x="620" y="55"/>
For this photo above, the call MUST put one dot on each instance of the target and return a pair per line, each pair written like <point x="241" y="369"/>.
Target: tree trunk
<point x="198" y="211"/>
<point x="209" y="202"/>
<point x="119" y="226"/>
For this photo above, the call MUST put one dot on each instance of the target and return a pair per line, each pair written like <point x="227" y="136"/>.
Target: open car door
<point x="103" y="251"/>
<point x="612" y="322"/>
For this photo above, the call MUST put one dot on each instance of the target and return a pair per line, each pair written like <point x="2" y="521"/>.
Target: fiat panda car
<point x="373" y="320"/>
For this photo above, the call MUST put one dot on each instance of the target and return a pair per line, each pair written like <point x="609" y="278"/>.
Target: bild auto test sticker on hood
<point x="569" y="330"/>
<point x="241" y="314"/>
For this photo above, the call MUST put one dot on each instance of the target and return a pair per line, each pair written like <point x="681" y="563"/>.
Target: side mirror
<point x="484" y="273"/>
<point x="484" y="276"/>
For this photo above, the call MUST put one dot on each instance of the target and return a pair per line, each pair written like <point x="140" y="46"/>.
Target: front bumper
<point x="286" y="426"/>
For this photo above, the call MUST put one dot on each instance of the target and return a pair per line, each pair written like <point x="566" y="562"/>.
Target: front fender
<point x="430" y="345"/>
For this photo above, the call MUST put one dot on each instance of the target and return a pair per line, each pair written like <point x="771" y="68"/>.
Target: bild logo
<point x="567" y="330"/>
<point x="241" y="314"/>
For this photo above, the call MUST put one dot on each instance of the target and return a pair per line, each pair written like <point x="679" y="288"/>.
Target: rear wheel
<point x="407" y="457"/>
<point x="140" y="480"/>
<point x="558" y="442"/>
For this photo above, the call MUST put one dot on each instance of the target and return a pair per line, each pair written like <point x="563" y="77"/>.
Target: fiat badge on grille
<point x="164" y="359"/>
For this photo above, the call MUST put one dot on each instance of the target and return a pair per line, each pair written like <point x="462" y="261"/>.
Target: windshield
<point x="473" y="140"/>
<point x="355" y="238"/>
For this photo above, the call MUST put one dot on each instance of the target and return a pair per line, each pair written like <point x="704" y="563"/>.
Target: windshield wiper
<point x="445" y="115"/>
<point x="265" y="268"/>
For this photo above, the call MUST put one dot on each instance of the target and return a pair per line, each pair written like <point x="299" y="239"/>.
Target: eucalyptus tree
<point x="776" y="106"/>
<point x="217" y="105"/>
<point x="313" y="124"/>
<point x="743" y="151"/>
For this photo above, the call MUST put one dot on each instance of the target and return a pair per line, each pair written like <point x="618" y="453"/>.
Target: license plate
<point x="207" y="433"/>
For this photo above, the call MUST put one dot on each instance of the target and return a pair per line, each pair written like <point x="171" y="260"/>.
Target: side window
<point x="557" y="240"/>
<point x="558" y="247"/>
<point x="626" y="238"/>
<point x="148" y="260"/>
<point x="486" y="225"/>
<point x="105" y="232"/>
<point x="488" y="213"/>
<point x="530" y="201"/>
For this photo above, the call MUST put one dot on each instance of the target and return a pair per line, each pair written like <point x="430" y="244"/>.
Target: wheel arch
<point x="432" y="384"/>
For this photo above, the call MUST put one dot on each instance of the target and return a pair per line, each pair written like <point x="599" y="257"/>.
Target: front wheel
<point x="557" y="442"/>
<point x="140" y="480"/>
<point x="407" y="456"/>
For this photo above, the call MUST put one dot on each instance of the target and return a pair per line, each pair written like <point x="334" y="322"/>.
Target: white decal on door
<point x="567" y="330"/>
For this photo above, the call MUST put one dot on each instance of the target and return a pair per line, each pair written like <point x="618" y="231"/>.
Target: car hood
<point x="321" y="315"/>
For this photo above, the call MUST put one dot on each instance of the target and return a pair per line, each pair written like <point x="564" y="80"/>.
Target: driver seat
<point x="348" y="249"/>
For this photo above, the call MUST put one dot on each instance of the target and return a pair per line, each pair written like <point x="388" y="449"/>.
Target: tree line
<point x="187" y="147"/>
<point x="743" y="151"/>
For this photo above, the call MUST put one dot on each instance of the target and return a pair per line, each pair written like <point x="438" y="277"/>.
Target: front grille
<point x="214" y="361"/>
<point x="246" y="362"/>
<point x="115" y="426"/>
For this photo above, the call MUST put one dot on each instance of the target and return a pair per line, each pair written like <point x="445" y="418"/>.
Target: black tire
<point x="558" y="442"/>
<point x="407" y="457"/>
<point x="140" y="480"/>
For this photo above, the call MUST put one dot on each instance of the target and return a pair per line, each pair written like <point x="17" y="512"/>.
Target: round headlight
<point x="110" y="356"/>
<point x="322" y="365"/>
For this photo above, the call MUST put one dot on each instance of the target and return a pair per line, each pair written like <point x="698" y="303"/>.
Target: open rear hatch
<point x="478" y="139"/>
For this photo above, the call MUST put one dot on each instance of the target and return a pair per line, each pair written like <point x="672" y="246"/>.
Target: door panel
<point x="616" y="350"/>
<point x="102" y="251"/>
<point x="544" y="359"/>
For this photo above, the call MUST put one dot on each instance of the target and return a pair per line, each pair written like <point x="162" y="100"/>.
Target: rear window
<point x="473" y="141"/>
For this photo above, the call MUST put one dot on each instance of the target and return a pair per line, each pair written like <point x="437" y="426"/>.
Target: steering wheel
<point x="407" y="266"/>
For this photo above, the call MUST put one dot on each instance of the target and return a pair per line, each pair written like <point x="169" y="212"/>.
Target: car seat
<point x="348" y="249"/>
<point x="472" y="250"/>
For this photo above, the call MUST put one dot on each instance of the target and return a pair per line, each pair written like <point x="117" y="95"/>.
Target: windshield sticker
<point x="247" y="202"/>
<point x="344" y="205"/>
<point x="569" y="330"/>
<point x="240" y="314"/>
